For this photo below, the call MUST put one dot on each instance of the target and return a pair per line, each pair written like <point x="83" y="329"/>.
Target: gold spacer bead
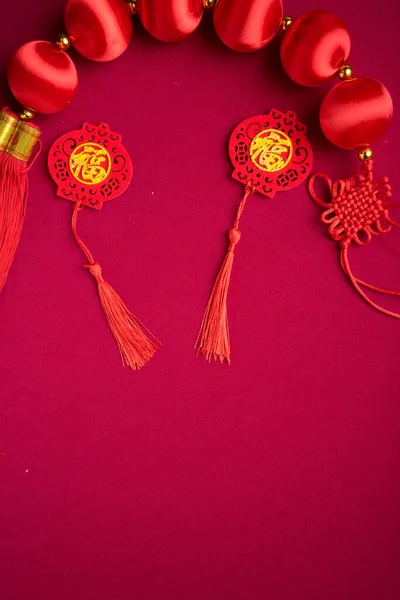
<point x="63" y="41"/>
<point x="26" y="115"/>
<point x="345" y="72"/>
<point x="365" y="154"/>
<point x="286" y="23"/>
<point x="132" y="6"/>
<point x="209" y="3"/>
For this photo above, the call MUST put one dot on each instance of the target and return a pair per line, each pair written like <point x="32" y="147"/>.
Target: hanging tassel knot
<point x="357" y="210"/>
<point x="234" y="238"/>
<point x="95" y="270"/>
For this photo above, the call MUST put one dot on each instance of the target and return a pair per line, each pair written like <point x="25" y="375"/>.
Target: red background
<point x="276" y="478"/>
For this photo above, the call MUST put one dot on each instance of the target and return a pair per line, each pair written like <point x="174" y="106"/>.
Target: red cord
<point x="344" y="261"/>
<point x="78" y="207"/>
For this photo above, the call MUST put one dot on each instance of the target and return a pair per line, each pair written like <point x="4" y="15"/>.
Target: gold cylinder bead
<point x="26" y="115"/>
<point x="23" y="141"/>
<point x="63" y="41"/>
<point x="345" y="72"/>
<point x="209" y="3"/>
<point x="8" y="124"/>
<point x="286" y="23"/>
<point x="365" y="154"/>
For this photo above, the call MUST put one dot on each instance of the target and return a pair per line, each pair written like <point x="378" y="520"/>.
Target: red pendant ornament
<point x="354" y="114"/>
<point x="269" y="153"/>
<point x="358" y="211"/>
<point x="91" y="166"/>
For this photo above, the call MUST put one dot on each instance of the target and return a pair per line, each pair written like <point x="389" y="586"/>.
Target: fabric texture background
<point x="275" y="478"/>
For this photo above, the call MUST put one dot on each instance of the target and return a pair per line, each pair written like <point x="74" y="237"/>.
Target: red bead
<point x="247" y="25"/>
<point x="100" y="29"/>
<point x="356" y="112"/>
<point x="314" y="47"/>
<point x="170" y="20"/>
<point x="42" y="77"/>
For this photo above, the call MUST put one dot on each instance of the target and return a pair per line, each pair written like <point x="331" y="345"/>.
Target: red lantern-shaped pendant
<point x="90" y="165"/>
<point x="272" y="151"/>
<point x="269" y="153"/>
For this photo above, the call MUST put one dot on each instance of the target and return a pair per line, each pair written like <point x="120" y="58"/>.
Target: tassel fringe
<point x="135" y="342"/>
<point x="213" y="340"/>
<point x="13" y="195"/>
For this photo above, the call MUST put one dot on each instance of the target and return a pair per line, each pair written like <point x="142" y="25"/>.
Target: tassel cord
<point x="357" y="283"/>
<point x="78" y="207"/>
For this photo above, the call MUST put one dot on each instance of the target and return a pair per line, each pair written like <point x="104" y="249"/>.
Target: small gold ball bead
<point x="345" y="72"/>
<point x="132" y="6"/>
<point x="26" y="115"/>
<point x="286" y="23"/>
<point x="63" y="41"/>
<point x="365" y="154"/>
<point x="209" y="3"/>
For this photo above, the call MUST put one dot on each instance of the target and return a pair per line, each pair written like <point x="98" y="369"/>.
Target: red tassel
<point x="17" y="140"/>
<point x="135" y="347"/>
<point x="13" y="194"/>
<point x="213" y="340"/>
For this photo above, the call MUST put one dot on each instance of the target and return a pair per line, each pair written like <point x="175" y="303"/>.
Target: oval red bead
<point x="170" y="20"/>
<point x="356" y="112"/>
<point x="314" y="47"/>
<point x="100" y="29"/>
<point x="42" y="77"/>
<point x="247" y="26"/>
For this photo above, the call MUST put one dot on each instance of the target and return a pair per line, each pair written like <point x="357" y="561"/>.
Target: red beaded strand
<point x="247" y="26"/>
<point x="356" y="113"/>
<point x="100" y="30"/>
<point x="42" y="77"/>
<point x="170" y="20"/>
<point x="314" y="49"/>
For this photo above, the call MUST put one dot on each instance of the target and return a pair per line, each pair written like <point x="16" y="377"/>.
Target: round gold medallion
<point x="271" y="150"/>
<point x="90" y="163"/>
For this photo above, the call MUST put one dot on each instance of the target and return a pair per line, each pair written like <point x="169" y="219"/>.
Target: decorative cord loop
<point x="358" y="210"/>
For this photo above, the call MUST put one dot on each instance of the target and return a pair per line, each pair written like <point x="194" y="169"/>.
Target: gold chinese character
<point x="271" y="150"/>
<point x="90" y="163"/>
